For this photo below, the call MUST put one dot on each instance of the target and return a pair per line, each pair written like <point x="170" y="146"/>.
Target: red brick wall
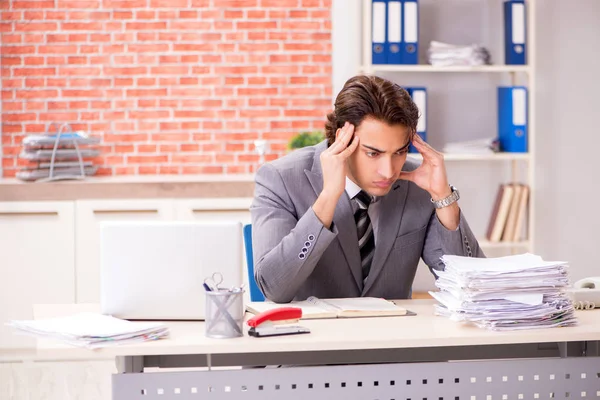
<point x="171" y="86"/>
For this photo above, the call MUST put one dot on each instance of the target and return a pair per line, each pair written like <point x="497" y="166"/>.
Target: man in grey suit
<point x="351" y="216"/>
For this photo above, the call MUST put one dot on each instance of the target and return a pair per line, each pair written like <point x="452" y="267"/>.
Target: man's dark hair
<point x="371" y="96"/>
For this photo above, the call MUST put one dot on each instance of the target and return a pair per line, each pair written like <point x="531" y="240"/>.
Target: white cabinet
<point x="89" y="214"/>
<point x="57" y="380"/>
<point x="227" y="209"/>
<point x="50" y="251"/>
<point x="37" y="261"/>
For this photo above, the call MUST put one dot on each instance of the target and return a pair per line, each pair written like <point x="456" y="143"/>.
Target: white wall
<point x="568" y="106"/>
<point x="346" y="23"/>
<point x="568" y="143"/>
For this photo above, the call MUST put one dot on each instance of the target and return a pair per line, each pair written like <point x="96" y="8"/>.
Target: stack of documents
<point x="445" y="54"/>
<point x="479" y="146"/>
<point x="91" y="330"/>
<point x="54" y="157"/>
<point x="505" y="293"/>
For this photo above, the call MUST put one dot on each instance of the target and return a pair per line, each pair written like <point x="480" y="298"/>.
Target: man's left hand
<point x="431" y="174"/>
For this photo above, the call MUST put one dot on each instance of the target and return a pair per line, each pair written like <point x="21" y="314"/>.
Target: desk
<point x="411" y="357"/>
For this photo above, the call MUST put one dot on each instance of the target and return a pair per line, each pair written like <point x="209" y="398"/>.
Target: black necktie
<point x="364" y="229"/>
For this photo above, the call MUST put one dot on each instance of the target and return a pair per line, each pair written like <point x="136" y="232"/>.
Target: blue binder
<point x="378" y="31"/>
<point x="419" y="96"/>
<point x="512" y="119"/>
<point x="394" y="44"/>
<point x="515" y="33"/>
<point x="410" y="14"/>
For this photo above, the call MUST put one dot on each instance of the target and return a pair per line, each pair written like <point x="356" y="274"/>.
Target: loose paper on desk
<point x="313" y="308"/>
<point x="92" y="330"/>
<point x="505" y="293"/>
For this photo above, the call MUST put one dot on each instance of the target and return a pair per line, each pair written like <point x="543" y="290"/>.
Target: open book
<point x="313" y="307"/>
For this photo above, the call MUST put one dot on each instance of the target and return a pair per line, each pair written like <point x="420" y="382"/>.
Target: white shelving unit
<point x="481" y="157"/>
<point x="504" y="245"/>
<point x="526" y="73"/>
<point x="431" y="68"/>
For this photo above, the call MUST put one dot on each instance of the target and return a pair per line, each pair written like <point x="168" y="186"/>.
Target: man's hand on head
<point x="335" y="168"/>
<point x="431" y="174"/>
<point x="333" y="161"/>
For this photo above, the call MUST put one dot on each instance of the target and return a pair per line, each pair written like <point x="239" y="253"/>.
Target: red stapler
<point x="276" y="322"/>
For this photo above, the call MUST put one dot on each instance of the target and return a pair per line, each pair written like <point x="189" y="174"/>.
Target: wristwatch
<point x="445" y="202"/>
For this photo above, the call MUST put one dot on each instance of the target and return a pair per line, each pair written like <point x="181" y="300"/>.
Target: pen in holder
<point x="224" y="310"/>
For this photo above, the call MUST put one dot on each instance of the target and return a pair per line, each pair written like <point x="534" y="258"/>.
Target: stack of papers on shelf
<point x="54" y="156"/>
<point x="91" y="330"/>
<point x="478" y="146"/>
<point x="445" y="54"/>
<point x="505" y="293"/>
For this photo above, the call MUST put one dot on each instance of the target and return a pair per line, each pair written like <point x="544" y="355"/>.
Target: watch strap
<point x="450" y="199"/>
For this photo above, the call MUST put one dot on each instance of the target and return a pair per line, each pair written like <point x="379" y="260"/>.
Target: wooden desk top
<point x="422" y="330"/>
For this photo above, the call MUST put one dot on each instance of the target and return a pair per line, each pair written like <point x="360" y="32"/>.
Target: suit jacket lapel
<point x="390" y="216"/>
<point x="343" y="218"/>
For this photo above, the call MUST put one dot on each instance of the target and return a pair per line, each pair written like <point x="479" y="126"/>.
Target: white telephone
<point x="586" y="293"/>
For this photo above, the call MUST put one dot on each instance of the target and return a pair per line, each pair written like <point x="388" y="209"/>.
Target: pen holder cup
<point x="224" y="314"/>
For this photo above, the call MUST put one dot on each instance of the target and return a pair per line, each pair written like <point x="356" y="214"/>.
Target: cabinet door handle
<point x="126" y="211"/>
<point x="27" y="213"/>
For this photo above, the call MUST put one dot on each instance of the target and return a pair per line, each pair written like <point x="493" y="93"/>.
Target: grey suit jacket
<point x="295" y="256"/>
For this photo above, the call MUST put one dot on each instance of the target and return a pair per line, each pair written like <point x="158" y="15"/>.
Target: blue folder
<point x="410" y="34"/>
<point x="515" y="32"/>
<point x="419" y="96"/>
<point x="378" y="32"/>
<point x="394" y="43"/>
<point x="512" y="119"/>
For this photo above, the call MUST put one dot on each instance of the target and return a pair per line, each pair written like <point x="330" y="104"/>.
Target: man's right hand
<point x="333" y="161"/>
<point x="335" y="168"/>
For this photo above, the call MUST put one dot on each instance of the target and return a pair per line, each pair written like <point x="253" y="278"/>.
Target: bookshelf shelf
<point x="481" y="157"/>
<point x="505" y="75"/>
<point x="486" y="244"/>
<point x="432" y="68"/>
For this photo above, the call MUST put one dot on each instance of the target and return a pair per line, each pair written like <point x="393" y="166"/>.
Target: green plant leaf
<point x="304" y="139"/>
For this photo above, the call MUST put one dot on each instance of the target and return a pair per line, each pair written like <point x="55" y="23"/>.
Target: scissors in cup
<point x="222" y="302"/>
<point x="215" y="279"/>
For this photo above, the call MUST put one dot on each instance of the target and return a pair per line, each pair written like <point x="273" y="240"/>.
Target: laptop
<point x="155" y="270"/>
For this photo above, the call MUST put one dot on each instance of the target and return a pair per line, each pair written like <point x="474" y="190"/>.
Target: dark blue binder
<point x="378" y="32"/>
<point x="515" y="32"/>
<point x="419" y="96"/>
<point x="410" y="34"/>
<point x="394" y="44"/>
<point x="512" y="119"/>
